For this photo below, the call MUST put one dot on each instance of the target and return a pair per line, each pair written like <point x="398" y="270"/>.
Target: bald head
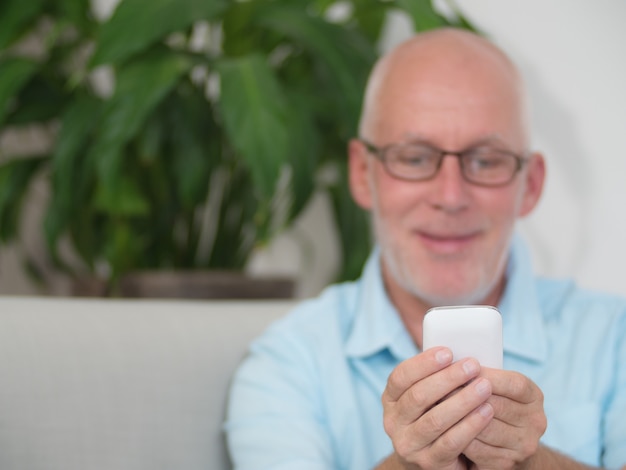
<point x="443" y="68"/>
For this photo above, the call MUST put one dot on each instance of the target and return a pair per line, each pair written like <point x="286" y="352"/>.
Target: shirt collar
<point x="524" y="332"/>
<point x="378" y="326"/>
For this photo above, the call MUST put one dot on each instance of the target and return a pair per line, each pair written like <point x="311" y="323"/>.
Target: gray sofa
<point x="120" y="385"/>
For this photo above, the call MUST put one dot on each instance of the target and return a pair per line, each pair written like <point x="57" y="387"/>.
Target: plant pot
<point x="190" y="285"/>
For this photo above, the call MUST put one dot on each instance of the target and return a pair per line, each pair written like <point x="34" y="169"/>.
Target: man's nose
<point x="450" y="189"/>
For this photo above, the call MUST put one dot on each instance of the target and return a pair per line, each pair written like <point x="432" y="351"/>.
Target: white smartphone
<point x="469" y="331"/>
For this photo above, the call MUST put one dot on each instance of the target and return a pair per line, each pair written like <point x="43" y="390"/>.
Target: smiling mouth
<point x="447" y="243"/>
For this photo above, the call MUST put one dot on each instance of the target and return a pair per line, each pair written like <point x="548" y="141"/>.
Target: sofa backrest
<point x="120" y="384"/>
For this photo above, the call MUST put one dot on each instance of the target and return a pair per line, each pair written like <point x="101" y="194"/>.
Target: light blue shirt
<point x="308" y="396"/>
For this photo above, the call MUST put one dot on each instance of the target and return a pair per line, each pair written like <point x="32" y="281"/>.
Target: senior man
<point x="443" y="165"/>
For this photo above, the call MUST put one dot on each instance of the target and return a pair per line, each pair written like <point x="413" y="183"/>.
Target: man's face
<point x="445" y="240"/>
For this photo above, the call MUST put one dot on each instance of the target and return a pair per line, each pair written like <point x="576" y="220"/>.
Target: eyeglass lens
<point x="483" y="165"/>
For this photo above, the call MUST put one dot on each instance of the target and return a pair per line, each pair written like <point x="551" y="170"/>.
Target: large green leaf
<point x="88" y="235"/>
<point x="136" y="25"/>
<point x="122" y="247"/>
<point x="70" y="177"/>
<point x="305" y="152"/>
<point x="254" y="112"/>
<point x="15" y="178"/>
<point x="121" y="197"/>
<point x="239" y="38"/>
<point x="151" y="139"/>
<point x="141" y="86"/>
<point x="40" y="100"/>
<point x="194" y="144"/>
<point x="423" y="14"/>
<point x="77" y="12"/>
<point x="353" y="227"/>
<point x="344" y="53"/>
<point x="371" y="16"/>
<point x="15" y="16"/>
<point x="15" y="73"/>
<point x="236" y="229"/>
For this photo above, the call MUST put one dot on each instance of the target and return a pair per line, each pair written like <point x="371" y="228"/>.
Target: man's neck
<point x="412" y="309"/>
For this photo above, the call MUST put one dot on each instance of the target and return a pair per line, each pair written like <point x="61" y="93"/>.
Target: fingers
<point x="419" y="383"/>
<point x="504" y="448"/>
<point x="457" y="420"/>
<point x="435" y="412"/>
<point x="448" y="446"/>
<point x="434" y="409"/>
<point x="415" y="369"/>
<point x="519" y="421"/>
<point x="512" y="385"/>
<point x="500" y="435"/>
<point x="440" y="386"/>
<point x="515" y="426"/>
<point x="438" y="438"/>
<point x="458" y="437"/>
<point x="517" y="400"/>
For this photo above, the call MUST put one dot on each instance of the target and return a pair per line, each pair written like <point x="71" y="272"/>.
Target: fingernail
<point x="443" y="356"/>
<point x="483" y="387"/>
<point x="470" y="366"/>
<point x="485" y="410"/>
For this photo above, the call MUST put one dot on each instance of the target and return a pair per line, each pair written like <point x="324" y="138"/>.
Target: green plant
<point x="222" y="114"/>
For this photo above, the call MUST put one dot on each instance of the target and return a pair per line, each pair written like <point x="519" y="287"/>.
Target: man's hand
<point x="434" y="410"/>
<point x="511" y="439"/>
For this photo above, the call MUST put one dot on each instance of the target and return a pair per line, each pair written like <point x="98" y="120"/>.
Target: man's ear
<point x="358" y="168"/>
<point x="535" y="177"/>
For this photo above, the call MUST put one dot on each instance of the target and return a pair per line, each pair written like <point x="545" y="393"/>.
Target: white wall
<point x="572" y="54"/>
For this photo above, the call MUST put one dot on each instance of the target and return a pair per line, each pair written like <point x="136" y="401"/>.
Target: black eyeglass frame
<point x="380" y="154"/>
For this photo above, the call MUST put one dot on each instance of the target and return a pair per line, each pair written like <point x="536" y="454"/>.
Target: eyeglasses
<point x="482" y="165"/>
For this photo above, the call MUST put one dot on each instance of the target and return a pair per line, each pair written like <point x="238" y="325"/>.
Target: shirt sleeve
<point x="275" y="419"/>
<point x="615" y="423"/>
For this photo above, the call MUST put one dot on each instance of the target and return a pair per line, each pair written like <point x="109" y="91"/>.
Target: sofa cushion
<point x="120" y="384"/>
